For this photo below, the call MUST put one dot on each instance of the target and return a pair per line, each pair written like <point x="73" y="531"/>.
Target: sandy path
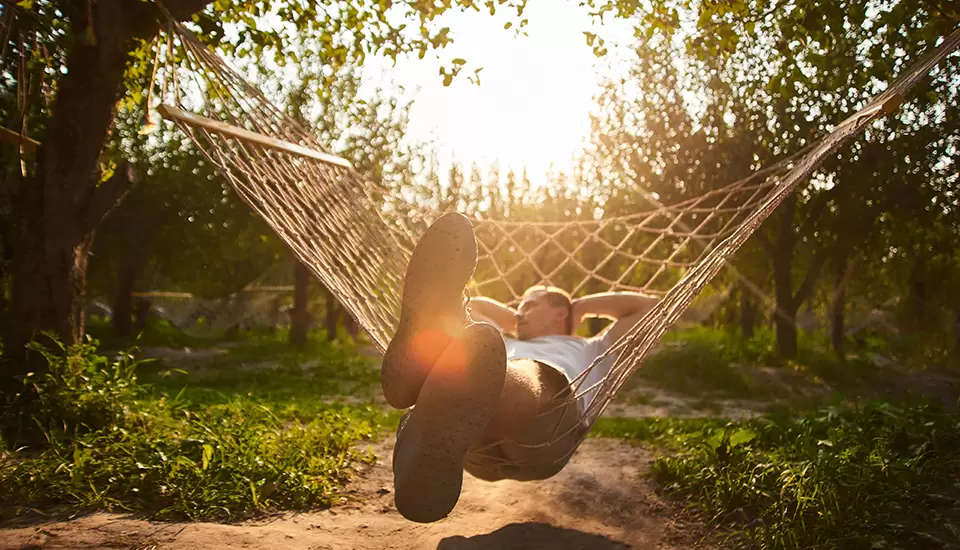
<point x="600" y="501"/>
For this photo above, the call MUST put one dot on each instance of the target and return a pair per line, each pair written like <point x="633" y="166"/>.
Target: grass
<point x="219" y="443"/>
<point x="877" y="476"/>
<point x="705" y="361"/>
<point x="665" y="433"/>
<point x="269" y="372"/>
<point x="157" y="332"/>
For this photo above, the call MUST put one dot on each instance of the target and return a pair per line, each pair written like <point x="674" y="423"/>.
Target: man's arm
<point x="492" y="311"/>
<point x="624" y="308"/>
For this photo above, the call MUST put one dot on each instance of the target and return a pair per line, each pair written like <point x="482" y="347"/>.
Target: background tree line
<point x="874" y="228"/>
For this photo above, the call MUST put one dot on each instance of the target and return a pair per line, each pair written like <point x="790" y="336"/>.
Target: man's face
<point x="536" y="317"/>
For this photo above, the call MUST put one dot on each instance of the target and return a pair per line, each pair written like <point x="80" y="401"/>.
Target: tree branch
<point x="106" y="196"/>
<point x="147" y="19"/>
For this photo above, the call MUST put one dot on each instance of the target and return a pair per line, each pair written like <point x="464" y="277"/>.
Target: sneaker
<point x="457" y="402"/>
<point x="433" y="310"/>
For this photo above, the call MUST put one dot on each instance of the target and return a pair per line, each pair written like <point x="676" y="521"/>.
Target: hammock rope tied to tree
<point x="355" y="242"/>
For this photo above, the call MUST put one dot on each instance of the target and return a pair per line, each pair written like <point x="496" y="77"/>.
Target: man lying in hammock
<point x="500" y="407"/>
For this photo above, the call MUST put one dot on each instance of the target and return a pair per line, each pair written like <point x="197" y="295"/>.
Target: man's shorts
<point x="535" y="460"/>
<point x="553" y="441"/>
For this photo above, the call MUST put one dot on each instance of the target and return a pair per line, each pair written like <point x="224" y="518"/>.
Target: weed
<point x="130" y="447"/>
<point x="80" y="390"/>
<point x="873" y="477"/>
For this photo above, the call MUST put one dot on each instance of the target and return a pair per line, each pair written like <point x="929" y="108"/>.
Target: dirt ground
<point x="600" y="501"/>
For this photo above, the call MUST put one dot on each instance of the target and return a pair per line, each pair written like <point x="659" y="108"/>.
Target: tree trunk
<point x="275" y="314"/>
<point x="956" y="332"/>
<point x="748" y="314"/>
<point x="838" y="307"/>
<point x="916" y="312"/>
<point x="786" y="331"/>
<point x="55" y="217"/>
<point x="129" y="275"/>
<point x="332" y="316"/>
<point x="300" y="317"/>
<point x="837" y="328"/>
<point x="141" y="314"/>
<point x="349" y="323"/>
<point x="122" y="315"/>
<point x="785" y="315"/>
<point x="31" y="309"/>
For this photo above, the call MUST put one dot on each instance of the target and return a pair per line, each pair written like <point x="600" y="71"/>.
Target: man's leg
<point x="452" y="369"/>
<point x="534" y="430"/>
<point x="455" y="405"/>
<point x="432" y="311"/>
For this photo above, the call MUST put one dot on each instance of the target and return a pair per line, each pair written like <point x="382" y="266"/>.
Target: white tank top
<point x="570" y="355"/>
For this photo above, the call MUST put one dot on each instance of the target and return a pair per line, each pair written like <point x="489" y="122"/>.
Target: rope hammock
<point x="256" y="304"/>
<point x="338" y="224"/>
<point x="198" y="317"/>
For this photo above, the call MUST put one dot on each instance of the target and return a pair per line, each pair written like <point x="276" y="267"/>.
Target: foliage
<point x="172" y="457"/>
<point x="181" y="199"/>
<point x="80" y="391"/>
<point x="768" y="78"/>
<point x="871" y="477"/>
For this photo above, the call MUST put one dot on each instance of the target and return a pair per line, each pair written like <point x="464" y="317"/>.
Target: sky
<point x="532" y="106"/>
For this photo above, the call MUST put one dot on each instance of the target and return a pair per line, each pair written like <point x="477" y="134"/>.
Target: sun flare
<point x="532" y="107"/>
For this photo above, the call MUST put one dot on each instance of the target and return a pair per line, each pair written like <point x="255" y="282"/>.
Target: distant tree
<point x="769" y="78"/>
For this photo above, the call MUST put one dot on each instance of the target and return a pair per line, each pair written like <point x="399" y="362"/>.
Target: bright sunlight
<point x="532" y="106"/>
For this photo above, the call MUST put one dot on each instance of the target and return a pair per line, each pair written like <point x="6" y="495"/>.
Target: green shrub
<point x="172" y="457"/>
<point x="212" y="463"/>
<point x="873" y="477"/>
<point x="80" y="390"/>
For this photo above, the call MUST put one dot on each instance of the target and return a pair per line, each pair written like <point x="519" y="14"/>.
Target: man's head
<point x="544" y="311"/>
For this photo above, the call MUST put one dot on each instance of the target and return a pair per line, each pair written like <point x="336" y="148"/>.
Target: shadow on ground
<point x="532" y="536"/>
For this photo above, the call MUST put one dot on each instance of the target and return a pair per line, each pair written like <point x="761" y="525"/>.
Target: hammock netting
<point x="258" y="304"/>
<point x="338" y="224"/>
<point x="196" y="316"/>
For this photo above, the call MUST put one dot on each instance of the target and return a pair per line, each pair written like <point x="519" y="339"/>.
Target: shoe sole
<point x="440" y="268"/>
<point x="457" y="402"/>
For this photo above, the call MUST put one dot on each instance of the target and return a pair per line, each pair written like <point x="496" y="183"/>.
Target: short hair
<point x="556" y="297"/>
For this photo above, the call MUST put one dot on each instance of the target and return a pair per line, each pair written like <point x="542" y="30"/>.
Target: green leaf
<point x="207" y="455"/>
<point x="253" y="494"/>
<point x="459" y="61"/>
<point x="714" y="441"/>
<point x="741" y="437"/>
